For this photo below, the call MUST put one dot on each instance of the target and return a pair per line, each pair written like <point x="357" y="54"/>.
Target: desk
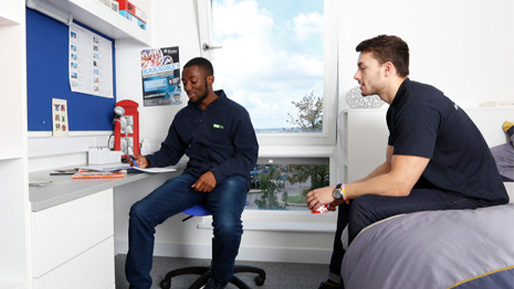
<point x="63" y="189"/>
<point x="72" y="230"/>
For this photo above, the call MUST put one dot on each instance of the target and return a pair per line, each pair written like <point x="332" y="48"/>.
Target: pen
<point x="134" y="161"/>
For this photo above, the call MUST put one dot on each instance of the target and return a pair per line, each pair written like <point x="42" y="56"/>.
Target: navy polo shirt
<point x="422" y="121"/>
<point x="220" y="139"/>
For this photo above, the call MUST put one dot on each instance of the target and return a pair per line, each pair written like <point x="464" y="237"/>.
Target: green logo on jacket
<point x="218" y="126"/>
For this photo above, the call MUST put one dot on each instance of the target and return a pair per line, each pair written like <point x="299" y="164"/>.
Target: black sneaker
<point x="325" y="285"/>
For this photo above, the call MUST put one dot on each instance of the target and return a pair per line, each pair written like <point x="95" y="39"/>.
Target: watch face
<point x="337" y="194"/>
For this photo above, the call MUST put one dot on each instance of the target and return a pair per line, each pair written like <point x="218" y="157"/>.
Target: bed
<point x="435" y="249"/>
<point x="459" y="249"/>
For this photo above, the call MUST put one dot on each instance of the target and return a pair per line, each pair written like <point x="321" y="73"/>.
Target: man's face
<point x="370" y="74"/>
<point x="196" y="83"/>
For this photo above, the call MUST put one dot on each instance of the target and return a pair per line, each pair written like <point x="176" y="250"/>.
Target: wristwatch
<point x="337" y="193"/>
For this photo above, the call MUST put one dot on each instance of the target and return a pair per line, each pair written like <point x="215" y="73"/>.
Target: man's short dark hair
<point x="203" y="63"/>
<point x="386" y="48"/>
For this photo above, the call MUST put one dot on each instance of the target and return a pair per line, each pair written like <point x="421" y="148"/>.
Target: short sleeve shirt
<point x="423" y="122"/>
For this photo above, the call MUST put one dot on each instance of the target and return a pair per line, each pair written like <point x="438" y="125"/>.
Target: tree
<point x="310" y="114"/>
<point x="318" y="175"/>
<point x="310" y="119"/>
<point x="270" y="184"/>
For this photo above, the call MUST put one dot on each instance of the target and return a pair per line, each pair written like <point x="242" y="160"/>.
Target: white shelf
<point x="100" y="17"/>
<point x="9" y="284"/>
<point x="6" y="21"/>
<point x="9" y="13"/>
<point x="8" y="155"/>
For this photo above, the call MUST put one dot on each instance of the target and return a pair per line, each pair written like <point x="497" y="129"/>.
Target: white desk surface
<point x="63" y="189"/>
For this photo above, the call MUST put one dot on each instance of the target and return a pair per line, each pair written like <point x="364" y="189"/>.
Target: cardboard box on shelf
<point x="133" y="9"/>
<point x="133" y="19"/>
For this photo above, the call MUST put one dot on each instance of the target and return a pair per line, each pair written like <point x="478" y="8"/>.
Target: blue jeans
<point x="367" y="209"/>
<point x="226" y="203"/>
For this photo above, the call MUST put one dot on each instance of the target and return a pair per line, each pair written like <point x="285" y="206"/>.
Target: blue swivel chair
<point x="205" y="271"/>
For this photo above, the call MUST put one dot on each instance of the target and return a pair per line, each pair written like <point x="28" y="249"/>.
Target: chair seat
<point x="200" y="210"/>
<point x="205" y="271"/>
<point x="197" y="211"/>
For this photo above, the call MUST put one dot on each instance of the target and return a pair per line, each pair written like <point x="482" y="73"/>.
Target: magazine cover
<point x="160" y="72"/>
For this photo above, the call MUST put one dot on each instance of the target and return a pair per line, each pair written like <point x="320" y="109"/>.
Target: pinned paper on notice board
<point x="90" y="62"/>
<point x="60" y="117"/>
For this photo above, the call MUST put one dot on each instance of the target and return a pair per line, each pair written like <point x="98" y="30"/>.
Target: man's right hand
<point x="141" y="161"/>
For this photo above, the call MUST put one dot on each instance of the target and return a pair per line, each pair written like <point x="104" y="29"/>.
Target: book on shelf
<point x="89" y="174"/>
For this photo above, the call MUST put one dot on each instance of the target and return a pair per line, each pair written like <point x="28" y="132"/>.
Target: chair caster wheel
<point x="259" y="280"/>
<point x="165" y="284"/>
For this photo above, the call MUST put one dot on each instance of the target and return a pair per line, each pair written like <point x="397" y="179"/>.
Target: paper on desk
<point x="122" y="166"/>
<point x="155" y="170"/>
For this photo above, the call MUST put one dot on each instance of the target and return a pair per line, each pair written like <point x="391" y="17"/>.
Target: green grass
<point x="296" y="199"/>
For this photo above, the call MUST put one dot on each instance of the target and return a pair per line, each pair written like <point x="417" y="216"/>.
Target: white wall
<point x="462" y="47"/>
<point x="172" y="23"/>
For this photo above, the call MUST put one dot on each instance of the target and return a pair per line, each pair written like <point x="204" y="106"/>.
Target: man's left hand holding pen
<point x="138" y="161"/>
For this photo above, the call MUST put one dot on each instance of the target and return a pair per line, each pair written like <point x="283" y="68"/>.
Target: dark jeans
<point x="225" y="202"/>
<point x="368" y="209"/>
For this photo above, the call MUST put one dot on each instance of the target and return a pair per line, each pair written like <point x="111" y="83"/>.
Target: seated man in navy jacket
<point x="218" y="137"/>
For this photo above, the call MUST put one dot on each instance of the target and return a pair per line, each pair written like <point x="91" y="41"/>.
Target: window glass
<point x="284" y="186"/>
<point x="271" y="61"/>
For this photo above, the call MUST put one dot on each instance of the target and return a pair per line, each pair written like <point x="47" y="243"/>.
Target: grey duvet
<point x="436" y="249"/>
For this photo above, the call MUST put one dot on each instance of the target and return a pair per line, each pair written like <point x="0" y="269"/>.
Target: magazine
<point x="88" y="174"/>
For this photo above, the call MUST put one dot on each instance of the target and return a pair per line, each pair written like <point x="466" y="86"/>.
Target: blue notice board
<point x="47" y="78"/>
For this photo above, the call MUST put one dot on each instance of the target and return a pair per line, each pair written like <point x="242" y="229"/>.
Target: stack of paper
<point x="121" y="166"/>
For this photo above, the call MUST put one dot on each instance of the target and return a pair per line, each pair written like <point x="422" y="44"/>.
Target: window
<point x="277" y="61"/>
<point x="281" y="184"/>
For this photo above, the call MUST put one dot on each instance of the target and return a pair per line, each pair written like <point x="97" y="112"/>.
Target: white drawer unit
<point x="92" y="269"/>
<point x="73" y="244"/>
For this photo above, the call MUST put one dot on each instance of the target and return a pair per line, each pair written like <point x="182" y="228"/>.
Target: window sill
<point x="276" y="151"/>
<point x="283" y="221"/>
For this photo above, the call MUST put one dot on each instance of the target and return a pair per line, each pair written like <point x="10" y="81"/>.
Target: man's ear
<point x="389" y="69"/>
<point x="210" y="80"/>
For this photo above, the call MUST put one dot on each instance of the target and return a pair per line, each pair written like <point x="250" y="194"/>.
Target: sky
<point x="271" y="55"/>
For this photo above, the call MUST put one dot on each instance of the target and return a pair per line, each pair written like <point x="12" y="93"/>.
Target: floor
<point x="278" y="275"/>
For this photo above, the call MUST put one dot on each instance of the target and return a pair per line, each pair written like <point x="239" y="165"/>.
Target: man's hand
<point x="321" y="196"/>
<point x="141" y="161"/>
<point x="206" y="183"/>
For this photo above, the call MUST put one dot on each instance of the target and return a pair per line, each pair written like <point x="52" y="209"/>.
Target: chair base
<point x="205" y="273"/>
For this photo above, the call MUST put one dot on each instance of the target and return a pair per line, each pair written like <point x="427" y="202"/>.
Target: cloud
<point x="262" y="65"/>
<point x="308" y="25"/>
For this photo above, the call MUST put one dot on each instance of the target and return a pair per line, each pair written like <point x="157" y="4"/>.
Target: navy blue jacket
<point x="423" y="122"/>
<point x="220" y="139"/>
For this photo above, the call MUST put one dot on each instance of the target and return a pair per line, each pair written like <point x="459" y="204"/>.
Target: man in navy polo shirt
<point x="436" y="158"/>
<point x="218" y="137"/>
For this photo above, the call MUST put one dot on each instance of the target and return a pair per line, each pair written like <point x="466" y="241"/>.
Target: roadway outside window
<point x="283" y="186"/>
